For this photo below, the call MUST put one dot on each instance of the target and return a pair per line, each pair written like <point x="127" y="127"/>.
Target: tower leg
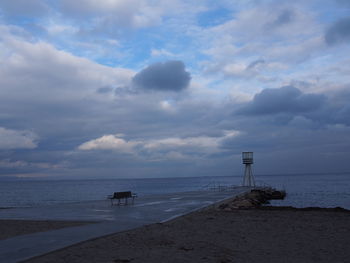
<point x="248" y="179"/>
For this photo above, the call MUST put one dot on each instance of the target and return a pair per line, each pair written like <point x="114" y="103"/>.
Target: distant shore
<point x="266" y="234"/>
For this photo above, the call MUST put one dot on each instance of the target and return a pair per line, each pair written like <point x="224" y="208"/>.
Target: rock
<point x="255" y="198"/>
<point x="278" y="194"/>
<point x="245" y="204"/>
<point x="223" y="206"/>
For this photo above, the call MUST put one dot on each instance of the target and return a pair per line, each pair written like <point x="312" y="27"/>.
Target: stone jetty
<point x="253" y="199"/>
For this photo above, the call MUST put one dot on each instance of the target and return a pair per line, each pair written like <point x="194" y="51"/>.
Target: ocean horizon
<point x="303" y="190"/>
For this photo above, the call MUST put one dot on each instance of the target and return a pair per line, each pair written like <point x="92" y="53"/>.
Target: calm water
<point x="325" y="190"/>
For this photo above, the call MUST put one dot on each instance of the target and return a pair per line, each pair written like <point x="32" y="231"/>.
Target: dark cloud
<point x="298" y="148"/>
<point x="104" y="90"/>
<point x="284" y="17"/>
<point x="255" y="63"/>
<point x="338" y="32"/>
<point x="124" y="91"/>
<point x="281" y="18"/>
<point x="338" y="111"/>
<point x="286" y="99"/>
<point x="167" y="76"/>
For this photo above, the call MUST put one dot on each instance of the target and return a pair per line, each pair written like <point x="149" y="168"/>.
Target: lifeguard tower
<point x="248" y="179"/>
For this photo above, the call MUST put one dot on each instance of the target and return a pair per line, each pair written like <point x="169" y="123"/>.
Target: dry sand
<point x="11" y="228"/>
<point x="211" y="235"/>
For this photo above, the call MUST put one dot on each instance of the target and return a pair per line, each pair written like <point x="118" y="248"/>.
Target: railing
<point x="215" y="186"/>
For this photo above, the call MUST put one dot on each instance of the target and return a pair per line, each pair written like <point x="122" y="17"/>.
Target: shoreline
<point x="236" y="229"/>
<point x="213" y="234"/>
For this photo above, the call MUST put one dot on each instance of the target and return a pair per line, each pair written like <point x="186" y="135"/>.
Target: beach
<point x="12" y="228"/>
<point x="133" y="131"/>
<point x="272" y="234"/>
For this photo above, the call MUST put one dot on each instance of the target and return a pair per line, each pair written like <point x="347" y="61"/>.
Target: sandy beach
<point x="213" y="235"/>
<point x="11" y="228"/>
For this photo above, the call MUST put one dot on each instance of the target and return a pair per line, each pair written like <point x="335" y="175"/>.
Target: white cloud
<point x="167" y="106"/>
<point x="262" y="22"/>
<point x="285" y="35"/>
<point x="115" y="13"/>
<point x="170" y="145"/>
<point x="7" y="163"/>
<point x="109" y="142"/>
<point x="161" y="52"/>
<point x="37" y="71"/>
<point x="235" y="69"/>
<point x="201" y="143"/>
<point x="14" y="139"/>
<point x="55" y="28"/>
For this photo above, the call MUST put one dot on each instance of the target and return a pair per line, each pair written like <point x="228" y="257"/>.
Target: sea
<point x="303" y="190"/>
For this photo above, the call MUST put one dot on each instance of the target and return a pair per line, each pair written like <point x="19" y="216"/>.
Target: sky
<point x="168" y="88"/>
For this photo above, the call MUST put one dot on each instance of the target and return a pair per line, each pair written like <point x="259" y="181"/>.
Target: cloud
<point x="255" y="63"/>
<point x="162" y="52"/>
<point x="74" y="84"/>
<point x="113" y="16"/>
<point x="284" y="17"/>
<point x="264" y="21"/>
<point x="40" y="71"/>
<point x="23" y="7"/>
<point x="290" y="106"/>
<point x="7" y="163"/>
<point x="109" y="142"/>
<point x="285" y="36"/>
<point x="104" y="90"/>
<point x="166" y="76"/>
<point x="14" y="139"/>
<point x="287" y="99"/>
<point x="194" y="145"/>
<point x="338" y="32"/>
<point x="55" y="92"/>
<point x="246" y="70"/>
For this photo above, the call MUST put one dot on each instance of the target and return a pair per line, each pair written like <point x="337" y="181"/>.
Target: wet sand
<point x="213" y="235"/>
<point x="12" y="228"/>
